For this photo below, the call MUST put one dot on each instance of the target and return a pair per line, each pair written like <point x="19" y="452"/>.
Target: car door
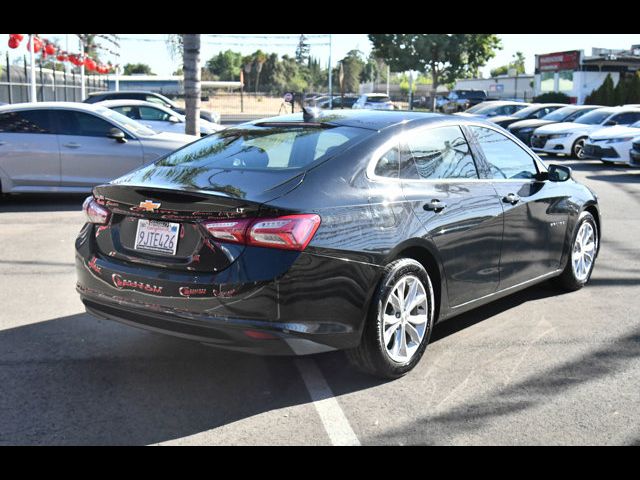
<point x="460" y="213"/>
<point x="535" y="211"/>
<point x="88" y="156"/>
<point x="29" y="154"/>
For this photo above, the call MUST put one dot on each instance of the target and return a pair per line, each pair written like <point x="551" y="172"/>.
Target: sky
<point x="152" y="48"/>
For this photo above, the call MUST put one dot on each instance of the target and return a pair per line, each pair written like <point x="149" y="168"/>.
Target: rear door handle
<point x="72" y="145"/>
<point x="511" y="198"/>
<point x="435" y="205"/>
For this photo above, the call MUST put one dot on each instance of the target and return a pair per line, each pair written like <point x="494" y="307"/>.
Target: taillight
<point x="95" y="213"/>
<point x="290" y="232"/>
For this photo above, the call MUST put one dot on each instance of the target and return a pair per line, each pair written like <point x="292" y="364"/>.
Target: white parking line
<point x="335" y="422"/>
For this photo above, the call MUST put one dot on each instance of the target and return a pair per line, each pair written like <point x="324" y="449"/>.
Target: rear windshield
<point x="469" y="94"/>
<point x="378" y="99"/>
<point x="266" y="148"/>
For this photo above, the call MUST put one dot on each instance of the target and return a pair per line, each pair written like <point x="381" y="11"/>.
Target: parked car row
<point x="579" y="131"/>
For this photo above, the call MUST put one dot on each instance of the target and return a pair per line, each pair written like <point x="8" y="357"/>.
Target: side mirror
<point x="610" y="123"/>
<point x="117" y="134"/>
<point x="174" y="119"/>
<point x="559" y="173"/>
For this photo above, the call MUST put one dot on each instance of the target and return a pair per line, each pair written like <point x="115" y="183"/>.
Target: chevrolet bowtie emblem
<point x="149" y="206"/>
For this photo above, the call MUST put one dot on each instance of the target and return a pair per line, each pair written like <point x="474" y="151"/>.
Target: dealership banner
<point x="554" y="62"/>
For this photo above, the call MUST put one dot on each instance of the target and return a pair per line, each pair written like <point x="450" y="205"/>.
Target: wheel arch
<point x="424" y="252"/>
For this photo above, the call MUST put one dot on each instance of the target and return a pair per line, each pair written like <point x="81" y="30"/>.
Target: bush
<point x="552" y="97"/>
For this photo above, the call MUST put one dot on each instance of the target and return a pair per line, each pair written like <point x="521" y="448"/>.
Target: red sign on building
<point x="554" y="62"/>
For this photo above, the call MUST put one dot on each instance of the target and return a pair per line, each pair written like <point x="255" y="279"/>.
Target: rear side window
<point x="505" y="158"/>
<point x="378" y="99"/>
<point x="266" y="148"/>
<point x="626" y="118"/>
<point x="437" y="153"/>
<point x="388" y="164"/>
<point x="26" y="121"/>
<point x="153" y="114"/>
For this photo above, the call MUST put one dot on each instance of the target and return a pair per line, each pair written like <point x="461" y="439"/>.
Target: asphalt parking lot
<point x="538" y="367"/>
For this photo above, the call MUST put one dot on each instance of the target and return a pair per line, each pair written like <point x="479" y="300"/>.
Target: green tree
<point x="226" y="65"/>
<point x="132" y="68"/>
<point x="517" y="63"/>
<point x="353" y="65"/>
<point x="446" y="57"/>
<point x="302" y="51"/>
<point x="633" y="89"/>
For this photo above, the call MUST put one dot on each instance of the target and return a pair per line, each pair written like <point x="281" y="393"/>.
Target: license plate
<point x="157" y="237"/>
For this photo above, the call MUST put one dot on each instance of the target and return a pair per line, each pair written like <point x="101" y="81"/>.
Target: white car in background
<point x="569" y="138"/>
<point x="157" y="117"/>
<point x="67" y="147"/>
<point x="374" y="101"/>
<point x="612" y="144"/>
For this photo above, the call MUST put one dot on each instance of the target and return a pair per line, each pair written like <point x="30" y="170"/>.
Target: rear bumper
<point x="309" y="304"/>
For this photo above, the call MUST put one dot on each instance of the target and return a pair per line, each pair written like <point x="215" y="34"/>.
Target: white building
<point x="578" y="75"/>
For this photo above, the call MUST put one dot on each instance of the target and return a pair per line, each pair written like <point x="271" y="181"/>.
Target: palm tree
<point x="260" y="58"/>
<point x="192" y="88"/>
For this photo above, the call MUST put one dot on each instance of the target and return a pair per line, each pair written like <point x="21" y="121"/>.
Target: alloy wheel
<point x="405" y="318"/>
<point x="578" y="149"/>
<point x="584" y="250"/>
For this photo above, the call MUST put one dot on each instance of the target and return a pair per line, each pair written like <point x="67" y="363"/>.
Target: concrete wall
<point x="583" y="84"/>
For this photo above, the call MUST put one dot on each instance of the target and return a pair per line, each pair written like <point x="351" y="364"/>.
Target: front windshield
<point x="136" y="127"/>
<point x="525" y="112"/>
<point x="596" y="117"/>
<point x="560" y="114"/>
<point x="482" y="108"/>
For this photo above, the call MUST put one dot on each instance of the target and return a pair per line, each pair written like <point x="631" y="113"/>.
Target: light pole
<point x="32" y="57"/>
<point x="330" y="75"/>
<point x="82" y="89"/>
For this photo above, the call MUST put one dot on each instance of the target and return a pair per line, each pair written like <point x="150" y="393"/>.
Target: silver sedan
<point x="71" y="147"/>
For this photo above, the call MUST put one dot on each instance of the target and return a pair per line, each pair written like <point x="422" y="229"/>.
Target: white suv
<point x="569" y="138"/>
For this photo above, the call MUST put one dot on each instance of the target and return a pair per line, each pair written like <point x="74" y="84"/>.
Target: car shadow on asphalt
<point x="79" y="380"/>
<point x="42" y="202"/>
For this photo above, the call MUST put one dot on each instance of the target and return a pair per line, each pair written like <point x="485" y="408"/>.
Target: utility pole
<point x="32" y="57"/>
<point x="330" y="74"/>
<point x="82" y="89"/>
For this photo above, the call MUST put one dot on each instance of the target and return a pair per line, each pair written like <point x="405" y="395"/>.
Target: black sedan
<point x="523" y="129"/>
<point x="355" y="230"/>
<point x="533" y="111"/>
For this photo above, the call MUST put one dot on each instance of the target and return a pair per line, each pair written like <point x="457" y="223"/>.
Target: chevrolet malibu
<point x="354" y="230"/>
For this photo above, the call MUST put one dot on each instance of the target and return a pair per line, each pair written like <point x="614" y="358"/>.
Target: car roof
<point x="90" y="107"/>
<point x="123" y="92"/>
<point x="129" y="102"/>
<point x="375" y="94"/>
<point x="369" y="119"/>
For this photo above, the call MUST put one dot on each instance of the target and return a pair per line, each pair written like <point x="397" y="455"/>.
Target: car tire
<point x="573" y="277"/>
<point x="577" y="149"/>
<point x="384" y="359"/>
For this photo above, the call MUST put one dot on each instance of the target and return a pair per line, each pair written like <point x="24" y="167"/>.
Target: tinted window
<point x="152" y="99"/>
<point x="265" y="148"/>
<point x="377" y="99"/>
<point x="562" y="114"/>
<point x="437" y="153"/>
<point x="80" y="123"/>
<point x="595" y="117"/>
<point x="130" y="112"/>
<point x="505" y="158"/>
<point x="626" y="118"/>
<point x="153" y="114"/>
<point x="389" y="164"/>
<point x="26" y="121"/>
<point x="528" y="112"/>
